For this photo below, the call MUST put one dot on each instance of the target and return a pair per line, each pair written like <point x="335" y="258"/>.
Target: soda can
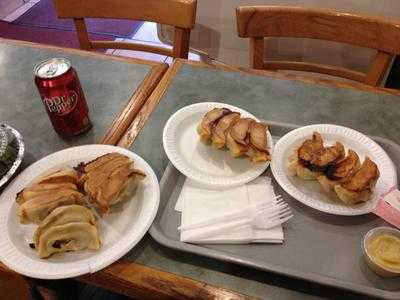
<point x="62" y="96"/>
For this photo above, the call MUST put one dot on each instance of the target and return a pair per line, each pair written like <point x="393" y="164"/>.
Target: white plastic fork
<point x="246" y="222"/>
<point x="250" y="210"/>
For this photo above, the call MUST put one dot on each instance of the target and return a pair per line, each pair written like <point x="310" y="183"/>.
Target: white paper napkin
<point x="197" y="204"/>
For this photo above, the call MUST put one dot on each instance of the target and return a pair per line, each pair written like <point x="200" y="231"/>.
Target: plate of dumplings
<point x="76" y="211"/>
<point x="217" y="144"/>
<point x="333" y="169"/>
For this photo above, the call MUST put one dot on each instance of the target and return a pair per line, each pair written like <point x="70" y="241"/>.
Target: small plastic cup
<point x="377" y="268"/>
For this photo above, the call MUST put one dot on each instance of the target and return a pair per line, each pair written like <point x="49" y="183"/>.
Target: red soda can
<point x="63" y="97"/>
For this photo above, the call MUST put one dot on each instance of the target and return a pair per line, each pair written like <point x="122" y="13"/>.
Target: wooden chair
<point x="178" y="13"/>
<point x="257" y="22"/>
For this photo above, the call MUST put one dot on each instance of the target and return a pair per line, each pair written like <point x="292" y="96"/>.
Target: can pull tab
<point x="52" y="69"/>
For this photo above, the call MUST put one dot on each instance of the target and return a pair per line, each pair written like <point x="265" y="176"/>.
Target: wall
<point x="215" y="33"/>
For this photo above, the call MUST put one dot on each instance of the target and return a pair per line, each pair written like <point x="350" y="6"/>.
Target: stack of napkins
<point x="199" y="204"/>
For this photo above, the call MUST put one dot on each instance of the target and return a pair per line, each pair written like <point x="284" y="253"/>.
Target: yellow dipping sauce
<point x="384" y="249"/>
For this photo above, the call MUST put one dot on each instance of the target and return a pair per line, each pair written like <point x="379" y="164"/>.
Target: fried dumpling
<point x="359" y="187"/>
<point x="240" y="129"/>
<point x="204" y="129"/>
<point x="61" y="180"/>
<point x="42" y="189"/>
<point x="310" y="148"/>
<point x="292" y="164"/>
<point x="36" y="209"/>
<point x="66" y="228"/>
<point x="63" y="215"/>
<point x="305" y="154"/>
<point x="105" y="161"/>
<point x="313" y="155"/>
<point x="219" y="131"/>
<point x="314" y="158"/>
<point x="328" y="157"/>
<point x="62" y="176"/>
<point x="236" y="137"/>
<point x="257" y="137"/>
<point x="67" y="237"/>
<point x="109" y="179"/>
<point x="340" y="172"/>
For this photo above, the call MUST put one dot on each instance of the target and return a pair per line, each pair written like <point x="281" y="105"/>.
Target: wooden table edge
<point x="73" y="51"/>
<point x="122" y="122"/>
<point x="143" y="282"/>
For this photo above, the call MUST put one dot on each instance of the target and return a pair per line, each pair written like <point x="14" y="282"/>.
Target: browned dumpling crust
<point x="107" y="177"/>
<point x="56" y="202"/>
<point x="241" y="136"/>
<point x="352" y="181"/>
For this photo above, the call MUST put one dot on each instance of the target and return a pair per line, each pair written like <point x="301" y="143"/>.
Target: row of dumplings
<point x="56" y="202"/>
<point x="352" y="181"/>
<point x="222" y="128"/>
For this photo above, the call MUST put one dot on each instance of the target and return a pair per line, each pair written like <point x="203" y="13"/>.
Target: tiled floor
<point x="20" y="11"/>
<point x="147" y="34"/>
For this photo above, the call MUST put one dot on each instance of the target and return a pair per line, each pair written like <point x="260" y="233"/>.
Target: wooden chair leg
<point x="378" y="68"/>
<point x="83" y="36"/>
<point x="181" y="43"/>
<point x="256" y="53"/>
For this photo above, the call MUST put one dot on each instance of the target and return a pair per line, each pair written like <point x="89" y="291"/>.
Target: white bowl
<point x="20" y="146"/>
<point x="377" y="268"/>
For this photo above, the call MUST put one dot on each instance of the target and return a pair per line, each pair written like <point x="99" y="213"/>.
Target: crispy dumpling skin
<point x="328" y="157"/>
<point x="204" y="129"/>
<point x="235" y="149"/>
<point x="305" y="154"/>
<point x="306" y="174"/>
<point x="314" y="158"/>
<point x="63" y="215"/>
<point x="219" y="131"/>
<point x="256" y="155"/>
<point x="236" y="137"/>
<point x="62" y="176"/>
<point x="292" y="164"/>
<point x="42" y="190"/>
<point x="257" y="138"/>
<point x="106" y="161"/>
<point x="240" y="130"/>
<point x="359" y="187"/>
<point x="129" y="186"/>
<point x="71" y="236"/>
<point x="62" y="179"/>
<point x="38" y="208"/>
<point x="340" y="172"/>
<point x="313" y="155"/>
<point x="109" y="177"/>
<point x="309" y="149"/>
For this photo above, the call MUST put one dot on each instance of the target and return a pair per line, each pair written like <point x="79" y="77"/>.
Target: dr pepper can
<point x="62" y="95"/>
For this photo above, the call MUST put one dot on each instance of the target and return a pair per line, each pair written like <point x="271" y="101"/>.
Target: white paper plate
<point x="310" y="192"/>
<point x="203" y="163"/>
<point x="121" y="230"/>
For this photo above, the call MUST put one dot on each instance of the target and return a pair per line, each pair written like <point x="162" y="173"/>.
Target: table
<point x="115" y="90"/>
<point x="273" y="97"/>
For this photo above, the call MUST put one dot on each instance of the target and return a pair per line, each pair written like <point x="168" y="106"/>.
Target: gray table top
<point x="107" y="83"/>
<point x="270" y="99"/>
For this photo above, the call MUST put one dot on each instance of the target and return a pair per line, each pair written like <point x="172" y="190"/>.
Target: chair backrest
<point x="178" y="13"/>
<point x="257" y="22"/>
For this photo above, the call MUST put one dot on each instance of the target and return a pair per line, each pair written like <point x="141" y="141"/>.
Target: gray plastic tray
<point x="318" y="247"/>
